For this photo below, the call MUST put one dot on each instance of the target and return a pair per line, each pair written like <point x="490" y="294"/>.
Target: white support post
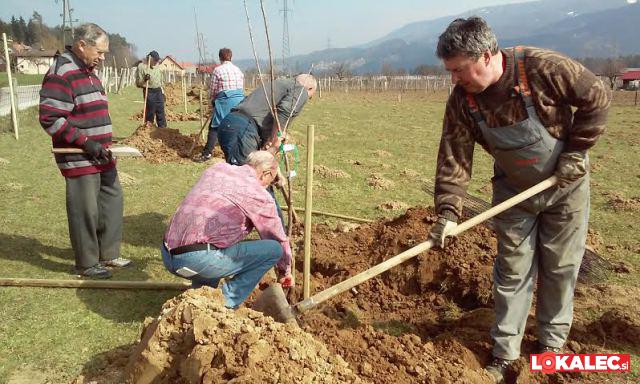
<point x="14" y="111"/>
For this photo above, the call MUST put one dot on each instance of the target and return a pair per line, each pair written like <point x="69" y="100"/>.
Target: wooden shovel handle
<point x="422" y="247"/>
<point x="67" y="150"/>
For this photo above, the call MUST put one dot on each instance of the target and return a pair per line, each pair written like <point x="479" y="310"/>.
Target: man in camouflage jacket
<point x="537" y="113"/>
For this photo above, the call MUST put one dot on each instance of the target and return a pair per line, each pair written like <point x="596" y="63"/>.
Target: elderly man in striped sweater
<point x="74" y="112"/>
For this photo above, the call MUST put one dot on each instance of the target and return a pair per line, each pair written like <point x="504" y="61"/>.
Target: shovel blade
<point x="273" y="302"/>
<point x="125" y="151"/>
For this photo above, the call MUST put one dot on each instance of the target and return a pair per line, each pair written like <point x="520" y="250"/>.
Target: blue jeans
<point x="242" y="265"/>
<point x="238" y="137"/>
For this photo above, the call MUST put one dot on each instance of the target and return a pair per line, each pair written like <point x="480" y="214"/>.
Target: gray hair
<point x="307" y="81"/>
<point x="261" y="161"/>
<point x="468" y="37"/>
<point x="90" y="33"/>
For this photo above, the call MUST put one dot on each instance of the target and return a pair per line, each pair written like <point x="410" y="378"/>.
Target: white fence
<point x="26" y="96"/>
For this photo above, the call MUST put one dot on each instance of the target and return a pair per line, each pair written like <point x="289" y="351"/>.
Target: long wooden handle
<point x="95" y="284"/>
<point x="67" y="150"/>
<point x="422" y="247"/>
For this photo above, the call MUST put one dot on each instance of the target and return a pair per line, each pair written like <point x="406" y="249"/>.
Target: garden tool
<point x="272" y="300"/>
<point x="118" y="151"/>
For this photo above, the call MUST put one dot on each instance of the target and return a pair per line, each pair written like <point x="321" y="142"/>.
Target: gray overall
<point x="541" y="238"/>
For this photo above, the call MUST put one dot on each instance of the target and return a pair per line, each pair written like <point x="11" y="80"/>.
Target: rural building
<point x="189" y="67"/>
<point x="34" y="61"/>
<point x="631" y="78"/>
<point x="206" y="68"/>
<point x="170" y="64"/>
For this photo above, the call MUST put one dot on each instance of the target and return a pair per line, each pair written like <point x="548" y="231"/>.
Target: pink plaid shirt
<point x="226" y="76"/>
<point x="223" y="208"/>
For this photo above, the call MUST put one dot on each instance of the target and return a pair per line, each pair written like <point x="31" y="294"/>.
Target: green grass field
<point x="55" y="334"/>
<point x="22" y="79"/>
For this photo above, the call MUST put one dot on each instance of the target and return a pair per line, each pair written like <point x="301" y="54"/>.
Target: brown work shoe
<point x="541" y="348"/>
<point x="497" y="369"/>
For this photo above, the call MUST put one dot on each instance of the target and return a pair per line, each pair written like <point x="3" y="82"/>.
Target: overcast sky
<point x="168" y="26"/>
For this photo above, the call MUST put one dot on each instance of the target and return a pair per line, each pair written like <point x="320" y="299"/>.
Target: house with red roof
<point x="631" y="78"/>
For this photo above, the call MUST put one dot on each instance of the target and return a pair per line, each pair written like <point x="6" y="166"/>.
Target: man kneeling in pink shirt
<point x="204" y="241"/>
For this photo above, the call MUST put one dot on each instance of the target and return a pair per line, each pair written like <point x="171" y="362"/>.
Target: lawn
<point x="55" y="334"/>
<point x="22" y="78"/>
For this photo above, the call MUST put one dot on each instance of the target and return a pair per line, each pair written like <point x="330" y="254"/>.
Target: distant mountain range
<point x="578" y="28"/>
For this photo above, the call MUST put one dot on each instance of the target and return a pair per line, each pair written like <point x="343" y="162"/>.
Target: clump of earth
<point x="329" y="173"/>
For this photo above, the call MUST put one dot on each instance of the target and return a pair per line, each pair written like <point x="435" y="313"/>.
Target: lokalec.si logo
<point x="550" y="362"/>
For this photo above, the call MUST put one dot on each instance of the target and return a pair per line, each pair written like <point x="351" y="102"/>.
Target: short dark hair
<point x="468" y="37"/>
<point x="224" y="54"/>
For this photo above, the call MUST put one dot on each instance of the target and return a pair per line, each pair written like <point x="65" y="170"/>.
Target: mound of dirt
<point x="171" y="116"/>
<point x="619" y="203"/>
<point x="197" y="340"/>
<point x="392" y="206"/>
<point x="161" y="145"/>
<point x="174" y="96"/>
<point x="328" y="173"/>
<point x="126" y="179"/>
<point x="424" y="321"/>
<point x="376" y="181"/>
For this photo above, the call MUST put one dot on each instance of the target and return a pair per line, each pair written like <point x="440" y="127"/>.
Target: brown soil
<point x="197" y="340"/>
<point x="161" y="145"/>
<point x="173" y="93"/>
<point x="326" y="172"/>
<point x="425" y="321"/>
<point x="126" y="179"/>
<point x="619" y="203"/>
<point x="381" y="153"/>
<point x="376" y="181"/>
<point x="171" y="116"/>
<point x="392" y="206"/>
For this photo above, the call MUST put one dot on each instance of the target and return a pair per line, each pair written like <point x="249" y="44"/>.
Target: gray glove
<point x="447" y="222"/>
<point x="571" y="166"/>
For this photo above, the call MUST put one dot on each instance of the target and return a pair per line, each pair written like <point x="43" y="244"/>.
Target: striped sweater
<point x="74" y="109"/>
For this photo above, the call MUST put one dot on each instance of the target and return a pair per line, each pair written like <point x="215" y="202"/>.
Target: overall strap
<point x="475" y="111"/>
<point x="523" y="84"/>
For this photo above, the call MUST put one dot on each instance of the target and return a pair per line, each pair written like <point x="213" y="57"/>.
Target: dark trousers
<point x="155" y="108"/>
<point x="94" y="212"/>
<point x="239" y="137"/>
<point x="212" y="139"/>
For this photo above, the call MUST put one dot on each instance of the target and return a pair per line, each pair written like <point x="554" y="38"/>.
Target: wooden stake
<point x="306" y="280"/>
<point x="97" y="284"/>
<point x="115" y="72"/>
<point x="201" y="113"/>
<point x="329" y="214"/>
<point x="14" y="111"/>
<point x="184" y="91"/>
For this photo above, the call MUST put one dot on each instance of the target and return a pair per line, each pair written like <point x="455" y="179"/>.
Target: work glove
<point x="96" y="151"/>
<point x="285" y="278"/>
<point x="447" y="222"/>
<point x="571" y="166"/>
<point x="147" y="77"/>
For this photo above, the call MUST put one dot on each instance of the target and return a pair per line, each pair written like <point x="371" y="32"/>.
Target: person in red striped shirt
<point x="74" y="112"/>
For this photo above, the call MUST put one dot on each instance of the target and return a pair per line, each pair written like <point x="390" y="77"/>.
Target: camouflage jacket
<point x="557" y="83"/>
